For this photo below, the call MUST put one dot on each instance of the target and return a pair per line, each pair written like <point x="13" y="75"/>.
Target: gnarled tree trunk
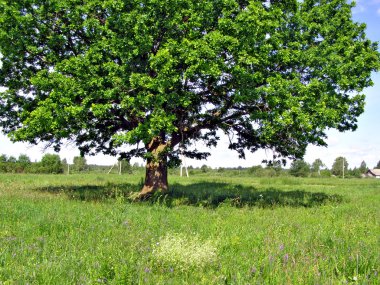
<point x="156" y="175"/>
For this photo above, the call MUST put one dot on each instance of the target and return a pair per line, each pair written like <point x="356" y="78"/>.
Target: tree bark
<point x="156" y="175"/>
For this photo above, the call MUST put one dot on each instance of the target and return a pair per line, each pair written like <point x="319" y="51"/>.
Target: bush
<point x="325" y="173"/>
<point x="50" y="163"/>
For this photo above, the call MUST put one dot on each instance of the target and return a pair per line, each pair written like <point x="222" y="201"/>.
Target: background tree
<point x="126" y="166"/>
<point x="355" y="173"/>
<point x="317" y="165"/>
<point x="363" y="167"/>
<point x="3" y="161"/>
<point x="23" y="164"/>
<point x="12" y="159"/>
<point x="51" y="163"/>
<point x="160" y="74"/>
<point x="337" y="167"/>
<point x="24" y="159"/>
<point x="3" y="158"/>
<point x="65" y="166"/>
<point x="80" y="164"/>
<point x="299" y="168"/>
<point x="205" y="168"/>
<point x="378" y="165"/>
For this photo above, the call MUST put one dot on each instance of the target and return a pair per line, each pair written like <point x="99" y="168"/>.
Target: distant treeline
<point x="52" y="163"/>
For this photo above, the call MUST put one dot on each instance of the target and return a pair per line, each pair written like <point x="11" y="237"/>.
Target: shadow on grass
<point x="204" y="194"/>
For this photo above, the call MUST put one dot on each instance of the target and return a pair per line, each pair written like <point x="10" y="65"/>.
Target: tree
<point x="24" y="159"/>
<point x="12" y="159"/>
<point x="378" y="165"/>
<point x="337" y="168"/>
<point x="317" y="165"/>
<point x="51" y="163"/>
<point x="80" y="163"/>
<point x="204" y="168"/>
<point x="363" y="167"/>
<point x="356" y="172"/>
<point x="125" y="166"/>
<point x="157" y="75"/>
<point x="3" y="158"/>
<point x="300" y="168"/>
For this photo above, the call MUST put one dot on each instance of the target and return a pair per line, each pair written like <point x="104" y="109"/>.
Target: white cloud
<point x="378" y="11"/>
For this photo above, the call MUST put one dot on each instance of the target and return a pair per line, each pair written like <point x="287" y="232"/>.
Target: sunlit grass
<point x="83" y="229"/>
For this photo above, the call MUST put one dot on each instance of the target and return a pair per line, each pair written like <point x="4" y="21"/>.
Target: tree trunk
<point x="156" y="175"/>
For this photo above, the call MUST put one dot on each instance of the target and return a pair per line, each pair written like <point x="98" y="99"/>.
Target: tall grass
<point x="84" y="230"/>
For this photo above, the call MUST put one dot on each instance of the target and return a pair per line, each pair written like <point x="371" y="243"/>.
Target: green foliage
<point x="300" y="168"/>
<point x="80" y="164"/>
<point x="50" y="163"/>
<point x="339" y="166"/>
<point x="3" y="158"/>
<point x="24" y="159"/>
<point x="13" y="165"/>
<point x="11" y="159"/>
<point x="363" y="167"/>
<point x="356" y="173"/>
<point x="109" y="73"/>
<point x="325" y="173"/>
<point x="126" y="167"/>
<point x="317" y="165"/>
<point x="377" y="165"/>
<point x="205" y="168"/>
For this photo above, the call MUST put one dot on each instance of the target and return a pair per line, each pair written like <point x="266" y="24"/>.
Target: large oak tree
<point x="159" y="74"/>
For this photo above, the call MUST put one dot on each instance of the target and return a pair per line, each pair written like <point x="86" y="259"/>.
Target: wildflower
<point x="253" y="270"/>
<point x="281" y="247"/>
<point x="286" y="258"/>
<point x="184" y="252"/>
<point x="147" y="270"/>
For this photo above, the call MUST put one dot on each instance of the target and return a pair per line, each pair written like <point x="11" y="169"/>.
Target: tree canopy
<point x="299" y="168"/>
<point x="159" y="74"/>
<point x="363" y="167"/>
<point x="317" y="165"/>
<point x="340" y="166"/>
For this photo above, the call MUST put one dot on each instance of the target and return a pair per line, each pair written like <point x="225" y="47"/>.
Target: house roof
<point x="375" y="172"/>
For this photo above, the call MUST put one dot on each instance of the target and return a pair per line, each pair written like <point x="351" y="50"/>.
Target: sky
<point x="363" y="144"/>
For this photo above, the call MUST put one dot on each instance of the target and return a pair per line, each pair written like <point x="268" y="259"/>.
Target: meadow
<point x="209" y="229"/>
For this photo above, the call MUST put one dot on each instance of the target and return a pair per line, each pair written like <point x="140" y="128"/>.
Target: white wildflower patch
<point x="184" y="252"/>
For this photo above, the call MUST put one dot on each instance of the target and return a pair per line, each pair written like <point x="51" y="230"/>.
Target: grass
<point x="83" y="229"/>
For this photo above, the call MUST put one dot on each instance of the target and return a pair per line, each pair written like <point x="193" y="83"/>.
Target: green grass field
<point x="210" y="229"/>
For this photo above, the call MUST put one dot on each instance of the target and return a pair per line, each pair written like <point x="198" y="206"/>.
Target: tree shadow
<point x="97" y="193"/>
<point x="202" y="194"/>
<point x="217" y="194"/>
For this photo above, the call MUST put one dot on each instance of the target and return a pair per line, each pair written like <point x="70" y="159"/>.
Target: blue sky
<point x="363" y="144"/>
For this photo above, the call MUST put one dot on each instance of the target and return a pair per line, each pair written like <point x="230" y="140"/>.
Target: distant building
<point x="373" y="173"/>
